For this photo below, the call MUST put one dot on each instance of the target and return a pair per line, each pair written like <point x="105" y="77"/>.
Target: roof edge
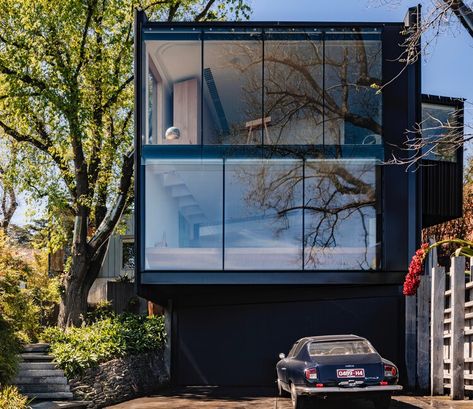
<point x="256" y="24"/>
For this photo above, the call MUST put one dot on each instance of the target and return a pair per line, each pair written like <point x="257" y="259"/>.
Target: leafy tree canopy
<point x="66" y="95"/>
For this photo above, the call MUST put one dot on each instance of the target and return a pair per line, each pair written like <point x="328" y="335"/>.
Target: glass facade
<point x="183" y="211"/>
<point x="173" y="91"/>
<point x="293" y="87"/>
<point x="353" y="108"/>
<point x="232" y="80"/>
<point x="271" y="87"/>
<point x="255" y="214"/>
<point x="249" y="155"/>
<point x="263" y="214"/>
<point x="340" y="215"/>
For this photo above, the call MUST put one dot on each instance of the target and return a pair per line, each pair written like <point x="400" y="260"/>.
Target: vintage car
<point x="336" y="366"/>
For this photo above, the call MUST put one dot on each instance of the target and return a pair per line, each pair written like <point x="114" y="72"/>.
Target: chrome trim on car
<point x="304" y="390"/>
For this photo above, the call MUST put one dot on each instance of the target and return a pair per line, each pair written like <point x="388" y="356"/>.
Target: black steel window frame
<point x="181" y="31"/>
<point x="232" y="155"/>
<point x="458" y="104"/>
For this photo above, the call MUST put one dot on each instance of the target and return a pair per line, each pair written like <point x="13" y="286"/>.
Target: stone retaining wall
<point x="121" y="379"/>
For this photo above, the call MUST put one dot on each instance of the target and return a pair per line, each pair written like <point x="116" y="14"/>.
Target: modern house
<point x="265" y="210"/>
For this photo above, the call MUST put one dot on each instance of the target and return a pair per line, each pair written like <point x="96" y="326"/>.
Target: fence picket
<point x="457" y="271"/>
<point x="423" y="335"/>
<point x="436" y="330"/>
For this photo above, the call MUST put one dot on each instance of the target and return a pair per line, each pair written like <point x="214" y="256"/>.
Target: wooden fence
<point x="451" y="329"/>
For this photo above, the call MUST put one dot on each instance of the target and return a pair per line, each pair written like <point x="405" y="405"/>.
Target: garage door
<point x="238" y="345"/>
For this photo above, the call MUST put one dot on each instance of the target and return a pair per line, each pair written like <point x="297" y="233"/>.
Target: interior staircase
<point x="41" y="380"/>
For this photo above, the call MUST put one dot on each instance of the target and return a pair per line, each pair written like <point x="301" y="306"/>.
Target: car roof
<point x="329" y="338"/>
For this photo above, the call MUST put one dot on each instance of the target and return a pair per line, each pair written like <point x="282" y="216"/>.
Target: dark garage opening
<point x="239" y="344"/>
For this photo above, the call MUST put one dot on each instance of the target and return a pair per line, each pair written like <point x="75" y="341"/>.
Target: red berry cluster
<point x="412" y="281"/>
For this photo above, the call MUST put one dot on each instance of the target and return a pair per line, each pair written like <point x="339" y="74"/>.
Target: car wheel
<point x="298" y="401"/>
<point x="382" y="402"/>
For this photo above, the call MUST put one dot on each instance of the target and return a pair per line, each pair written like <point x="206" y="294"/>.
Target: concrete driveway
<point x="250" y="398"/>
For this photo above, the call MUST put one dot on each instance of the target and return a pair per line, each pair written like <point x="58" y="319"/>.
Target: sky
<point x="447" y="66"/>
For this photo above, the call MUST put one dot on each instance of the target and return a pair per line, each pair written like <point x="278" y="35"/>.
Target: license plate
<point x="351" y="373"/>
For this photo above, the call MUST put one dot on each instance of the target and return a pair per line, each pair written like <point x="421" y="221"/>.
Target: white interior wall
<point x="161" y="221"/>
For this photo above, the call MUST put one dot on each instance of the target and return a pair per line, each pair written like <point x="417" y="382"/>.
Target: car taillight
<point x="310" y="374"/>
<point x="389" y="371"/>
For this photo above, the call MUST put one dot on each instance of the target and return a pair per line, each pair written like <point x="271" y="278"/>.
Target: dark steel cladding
<point x="442" y="180"/>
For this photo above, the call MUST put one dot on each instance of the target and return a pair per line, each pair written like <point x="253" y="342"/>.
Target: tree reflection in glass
<point x="264" y="213"/>
<point x="232" y="76"/>
<point x="293" y="87"/>
<point x="258" y="235"/>
<point x="353" y="108"/>
<point x="340" y="215"/>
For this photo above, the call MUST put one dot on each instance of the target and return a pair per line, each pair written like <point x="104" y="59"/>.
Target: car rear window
<point x="340" y="348"/>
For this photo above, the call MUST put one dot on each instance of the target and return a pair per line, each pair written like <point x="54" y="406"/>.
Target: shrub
<point x="141" y="333"/>
<point x="27" y="294"/>
<point x="102" y="310"/>
<point x="9" y="349"/>
<point x="79" y="348"/>
<point x="10" y="398"/>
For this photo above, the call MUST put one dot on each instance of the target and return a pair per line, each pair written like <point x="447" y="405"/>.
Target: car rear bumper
<point x="304" y="390"/>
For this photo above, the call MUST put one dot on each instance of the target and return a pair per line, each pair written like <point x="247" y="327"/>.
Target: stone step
<point x="58" y="380"/>
<point x="36" y="356"/>
<point x="40" y="372"/>
<point x="40" y="347"/>
<point x="60" y="405"/>
<point x="36" y="365"/>
<point x="42" y="387"/>
<point x="50" y="395"/>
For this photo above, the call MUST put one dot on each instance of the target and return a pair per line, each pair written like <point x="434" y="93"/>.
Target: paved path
<point x="237" y="398"/>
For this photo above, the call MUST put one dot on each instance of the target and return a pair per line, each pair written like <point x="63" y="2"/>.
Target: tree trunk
<point x="8" y="207"/>
<point x="84" y="270"/>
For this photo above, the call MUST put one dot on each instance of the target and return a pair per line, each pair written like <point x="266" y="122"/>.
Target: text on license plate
<point x="350" y="373"/>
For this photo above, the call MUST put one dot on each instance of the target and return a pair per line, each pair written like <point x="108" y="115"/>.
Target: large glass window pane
<point x="232" y="81"/>
<point x="293" y="87"/>
<point x="440" y="124"/>
<point x="173" y="90"/>
<point x="263" y="216"/>
<point x="353" y="111"/>
<point x="340" y="215"/>
<point x="183" y="213"/>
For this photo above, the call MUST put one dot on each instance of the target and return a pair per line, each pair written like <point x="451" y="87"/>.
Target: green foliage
<point x="66" y="93"/>
<point x="9" y="349"/>
<point x="141" y="333"/>
<point x="102" y="310"/>
<point x="66" y="96"/>
<point x="78" y="348"/>
<point x="11" y="398"/>
<point x="27" y="294"/>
